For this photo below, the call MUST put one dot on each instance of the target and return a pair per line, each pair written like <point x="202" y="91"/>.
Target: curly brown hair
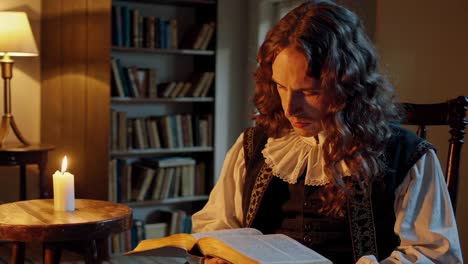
<point x="358" y="102"/>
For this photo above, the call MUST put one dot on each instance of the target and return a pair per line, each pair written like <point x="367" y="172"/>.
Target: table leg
<point x="102" y="246"/>
<point x="22" y="185"/>
<point x="43" y="193"/>
<point x="52" y="253"/>
<point x="17" y="253"/>
<point x="91" y="256"/>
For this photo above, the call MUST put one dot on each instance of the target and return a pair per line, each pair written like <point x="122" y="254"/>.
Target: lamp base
<point x="7" y="121"/>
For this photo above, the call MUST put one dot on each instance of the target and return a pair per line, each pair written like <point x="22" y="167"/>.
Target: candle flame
<point x="64" y="164"/>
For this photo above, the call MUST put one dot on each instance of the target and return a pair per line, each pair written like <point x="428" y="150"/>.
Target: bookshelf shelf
<point x="127" y="100"/>
<point x="164" y="51"/>
<point x="176" y="200"/>
<point x="152" y="152"/>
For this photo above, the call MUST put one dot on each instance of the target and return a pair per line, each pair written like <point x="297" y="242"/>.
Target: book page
<point x="229" y="232"/>
<point x="172" y="246"/>
<point x="274" y="249"/>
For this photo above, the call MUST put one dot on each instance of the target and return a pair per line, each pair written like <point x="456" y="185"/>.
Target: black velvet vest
<point x="274" y="206"/>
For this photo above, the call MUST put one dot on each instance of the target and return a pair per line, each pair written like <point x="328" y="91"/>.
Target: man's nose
<point x="293" y="104"/>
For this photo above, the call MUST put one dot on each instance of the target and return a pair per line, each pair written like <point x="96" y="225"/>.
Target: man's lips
<point x="300" y="124"/>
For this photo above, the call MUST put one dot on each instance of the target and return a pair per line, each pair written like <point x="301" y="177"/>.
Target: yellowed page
<point x="183" y="241"/>
<point x="213" y="247"/>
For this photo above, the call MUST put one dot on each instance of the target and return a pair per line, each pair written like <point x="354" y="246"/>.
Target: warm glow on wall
<point x="16" y="39"/>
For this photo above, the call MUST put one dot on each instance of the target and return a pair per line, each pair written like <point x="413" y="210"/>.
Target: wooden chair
<point x="451" y="113"/>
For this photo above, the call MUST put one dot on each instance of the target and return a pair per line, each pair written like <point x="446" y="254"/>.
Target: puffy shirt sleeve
<point x="224" y="207"/>
<point x="425" y="221"/>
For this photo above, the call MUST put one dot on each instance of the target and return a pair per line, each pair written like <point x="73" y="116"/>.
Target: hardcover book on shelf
<point x="147" y="180"/>
<point x="153" y="134"/>
<point x="140" y="134"/>
<point x="126" y="26"/>
<point x="168" y="88"/>
<point x="117" y="27"/>
<point x="174" y="39"/>
<point x="207" y="37"/>
<point x="158" y="184"/>
<point x="143" y="81"/>
<point x="134" y="86"/>
<point x="117" y="79"/>
<point x="135" y="21"/>
<point x="122" y="141"/>
<point x="188" y="180"/>
<point x="174" y="188"/>
<point x="186" y="89"/>
<point x="202" y="33"/>
<point x="167" y="182"/>
<point x="237" y="246"/>
<point x="114" y="130"/>
<point x="200" y="84"/>
<point x="194" y="36"/>
<point x="177" y="89"/>
<point x="152" y="83"/>
<point x="148" y="30"/>
<point x="207" y="85"/>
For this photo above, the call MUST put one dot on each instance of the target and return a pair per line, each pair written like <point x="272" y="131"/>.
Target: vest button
<point x="307" y="227"/>
<point x="307" y="239"/>
<point x="307" y="204"/>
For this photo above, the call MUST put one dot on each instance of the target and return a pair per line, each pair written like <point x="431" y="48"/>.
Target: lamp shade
<point x="16" y="37"/>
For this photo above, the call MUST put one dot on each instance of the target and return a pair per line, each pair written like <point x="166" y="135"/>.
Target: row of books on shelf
<point x="200" y="86"/>
<point x="133" y="81"/>
<point x="155" y="179"/>
<point x="138" y="82"/>
<point x="159" y="223"/>
<point x="170" y="131"/>
<point x="131" y="29"/>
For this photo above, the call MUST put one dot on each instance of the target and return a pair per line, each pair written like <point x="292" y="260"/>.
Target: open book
<point x="242" y="245"/>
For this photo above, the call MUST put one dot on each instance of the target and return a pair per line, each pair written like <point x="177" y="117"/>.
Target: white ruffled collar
<point x="289" y="155"/>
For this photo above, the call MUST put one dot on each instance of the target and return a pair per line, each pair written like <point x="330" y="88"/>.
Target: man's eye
<point x="311" y="93"/>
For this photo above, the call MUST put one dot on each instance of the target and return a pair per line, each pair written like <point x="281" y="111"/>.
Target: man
<point x="325" y="165"/>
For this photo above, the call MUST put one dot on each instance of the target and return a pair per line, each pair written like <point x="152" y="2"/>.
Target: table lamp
<point x="16" y="39"/>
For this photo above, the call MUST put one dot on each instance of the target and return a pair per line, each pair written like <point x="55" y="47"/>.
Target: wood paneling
<point x="75" y="90"/>
<point x="51" y="92"/>
<point x="98" y="95"/>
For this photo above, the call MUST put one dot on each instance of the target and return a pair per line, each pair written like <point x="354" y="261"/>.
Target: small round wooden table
<point x="19" y="155"/>
<point x="35" y="220"/>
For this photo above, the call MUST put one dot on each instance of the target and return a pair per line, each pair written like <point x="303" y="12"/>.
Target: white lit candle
<point x="64" y="189"/>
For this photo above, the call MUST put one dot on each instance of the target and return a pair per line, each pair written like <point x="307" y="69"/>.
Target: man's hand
<point x="209" y="260"/>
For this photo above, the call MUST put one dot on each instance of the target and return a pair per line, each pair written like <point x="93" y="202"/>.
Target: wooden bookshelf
<point x="183" y="122"/>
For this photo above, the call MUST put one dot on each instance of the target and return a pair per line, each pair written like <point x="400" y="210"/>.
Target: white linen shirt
<point x="425" y="221"/>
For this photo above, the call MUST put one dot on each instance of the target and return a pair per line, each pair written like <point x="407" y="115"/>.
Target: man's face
<point x="301" y="95"/>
